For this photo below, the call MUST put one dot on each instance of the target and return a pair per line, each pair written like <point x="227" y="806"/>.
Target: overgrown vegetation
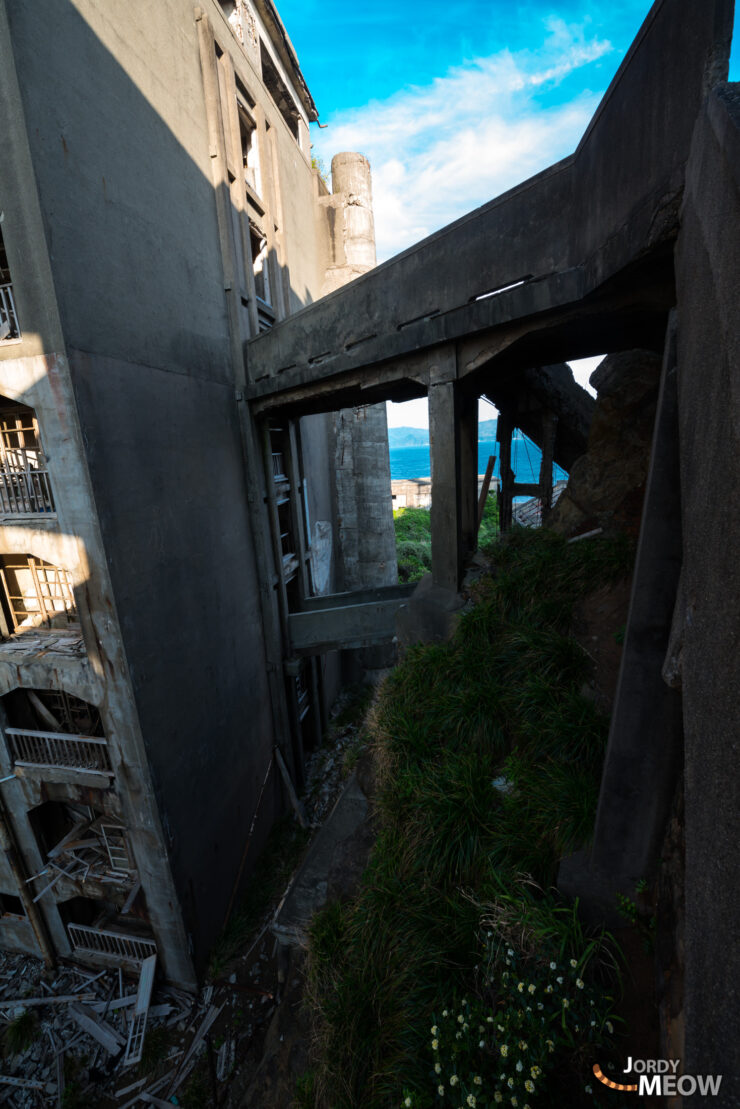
<point x="414" y="538"/>
<point x="489" y="759"/>
<point x="20" y="1033"/>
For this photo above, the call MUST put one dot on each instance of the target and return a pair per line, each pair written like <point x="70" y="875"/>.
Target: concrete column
<point x="453" y="426"/>
<point x="504" y="431"/>
<point x="350" y="178"/>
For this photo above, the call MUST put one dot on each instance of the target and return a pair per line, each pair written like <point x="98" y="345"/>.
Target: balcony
<point x="9" y="328"/>
<point x="25" y="489"/>
<point x="57" y="751"/>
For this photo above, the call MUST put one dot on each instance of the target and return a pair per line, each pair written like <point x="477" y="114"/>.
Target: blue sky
<point x="453" y="103"/>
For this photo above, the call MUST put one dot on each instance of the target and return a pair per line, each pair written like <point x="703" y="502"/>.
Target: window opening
<point x="36" y="594"/>
<point x="250" y="149"/>
<point x="24" y="480"/>
<point x="50" y="728"/>
<point x="10" y="905"/>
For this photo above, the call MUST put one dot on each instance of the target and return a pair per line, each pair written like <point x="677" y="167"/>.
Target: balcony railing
<point x="8" y="319"/>
<point x="117" y="945"/>
<point x="56" y="750"/>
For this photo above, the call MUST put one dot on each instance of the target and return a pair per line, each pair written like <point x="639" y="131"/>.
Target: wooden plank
<point x="137" y="1031"/>
<point x="22" y="1083"/>
<point x="58" y="1000"/>
<point x="104" y="1033"/>
<point x="485" y="486"/>
<point x="298" y="808"/>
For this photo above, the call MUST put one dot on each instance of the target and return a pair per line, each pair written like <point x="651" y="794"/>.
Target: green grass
<point x="501" y="699"/>
<point x="20" y="1033"/>
<point x="414" y="538"/>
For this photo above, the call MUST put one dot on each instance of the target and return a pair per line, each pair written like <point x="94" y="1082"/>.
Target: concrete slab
<point x="345" y="829"/>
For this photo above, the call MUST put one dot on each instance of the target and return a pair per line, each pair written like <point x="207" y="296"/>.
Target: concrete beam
<point x="547" y="243"/>
<point x="345" y="626"/>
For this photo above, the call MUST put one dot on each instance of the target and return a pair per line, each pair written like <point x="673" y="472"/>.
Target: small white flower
<point x="445" y="1013"/>
<point x="437" y="1068"/>
<point x="566" y="1003"/>
<point x="573" y="963"/>
<point x="434" y="1030"/>
<point x="407" y="1101"/>
<point x="441" y="1091"/>
<point x="481" y="1043"/>
<point x="559" y="981"/>
<point x="477" y="1080"/>
<point x="520" y="1066"/>
<point x="553" y="966"/>
<point x="609" y="1027"/>
<point x="454" y="1080"/>
<point x="531" y="987"/>
<point x="579" y="983"/>
<point x="470" y="1100"/>
<point x="435" y="1045"/>
<point x="460" y="1019"/>
<point x="510" y="951"/>
<point x="588" y="1089"/>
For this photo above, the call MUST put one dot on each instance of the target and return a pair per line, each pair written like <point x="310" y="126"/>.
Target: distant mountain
<point x="408" y="437"/>
<point x="419" y="436"/>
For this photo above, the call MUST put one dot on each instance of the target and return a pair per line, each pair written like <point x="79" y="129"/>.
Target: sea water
<point x="413" y="462"/>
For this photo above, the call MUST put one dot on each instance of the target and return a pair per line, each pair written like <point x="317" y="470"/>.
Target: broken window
<point x="53" y="728"/>
<point x="24" y="480"/>
<point x="9" y="328"/>
<point x="279" y="91"/>
<point x="79" y="842"/>
<point x="35" y="594"/>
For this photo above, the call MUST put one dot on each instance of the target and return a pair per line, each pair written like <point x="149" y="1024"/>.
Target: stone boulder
<point x="606" y="485"/>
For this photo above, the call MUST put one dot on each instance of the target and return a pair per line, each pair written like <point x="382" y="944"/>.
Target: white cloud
<point x="441" y="150"/>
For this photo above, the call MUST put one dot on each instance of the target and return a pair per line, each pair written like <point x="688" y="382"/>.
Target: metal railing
<point x="118" y="945"/>
<point x="25" y="491"/>
<point x="56" y="750"/>
<point x="9" y="328"/>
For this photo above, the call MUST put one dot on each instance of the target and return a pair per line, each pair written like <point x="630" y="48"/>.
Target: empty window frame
<point x="250" y="155"/>
<point x="24" y="480"/>
<point x="9" y="328"/>
<point x="36" y="594"/>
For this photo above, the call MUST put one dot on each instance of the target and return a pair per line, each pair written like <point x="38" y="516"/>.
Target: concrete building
<point x="159" y="209"/>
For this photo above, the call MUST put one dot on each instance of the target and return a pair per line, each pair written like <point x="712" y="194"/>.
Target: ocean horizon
<point x="413" y="462"/>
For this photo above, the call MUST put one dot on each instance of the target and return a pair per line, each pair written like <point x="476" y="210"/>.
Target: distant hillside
<point x="419" y="436"/>
<point x="408" y="436"/>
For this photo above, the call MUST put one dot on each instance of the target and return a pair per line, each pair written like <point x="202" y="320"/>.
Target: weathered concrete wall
<point x="708" y="283"/>
<point x="115" y="112"/>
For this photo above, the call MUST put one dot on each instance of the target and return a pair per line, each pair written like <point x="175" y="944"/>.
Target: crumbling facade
<point x="159" y="209"/>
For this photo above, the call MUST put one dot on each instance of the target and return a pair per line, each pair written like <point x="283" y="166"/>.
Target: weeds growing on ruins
<point x="414" y="538"/>
<point x="489" y="758"/>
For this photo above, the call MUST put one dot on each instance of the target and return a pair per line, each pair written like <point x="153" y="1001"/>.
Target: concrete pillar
<point x="453" y="440"/>
<point x="350" y="178"/>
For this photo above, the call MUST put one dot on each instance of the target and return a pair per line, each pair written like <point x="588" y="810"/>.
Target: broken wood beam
<point x="100" y="1030"/>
